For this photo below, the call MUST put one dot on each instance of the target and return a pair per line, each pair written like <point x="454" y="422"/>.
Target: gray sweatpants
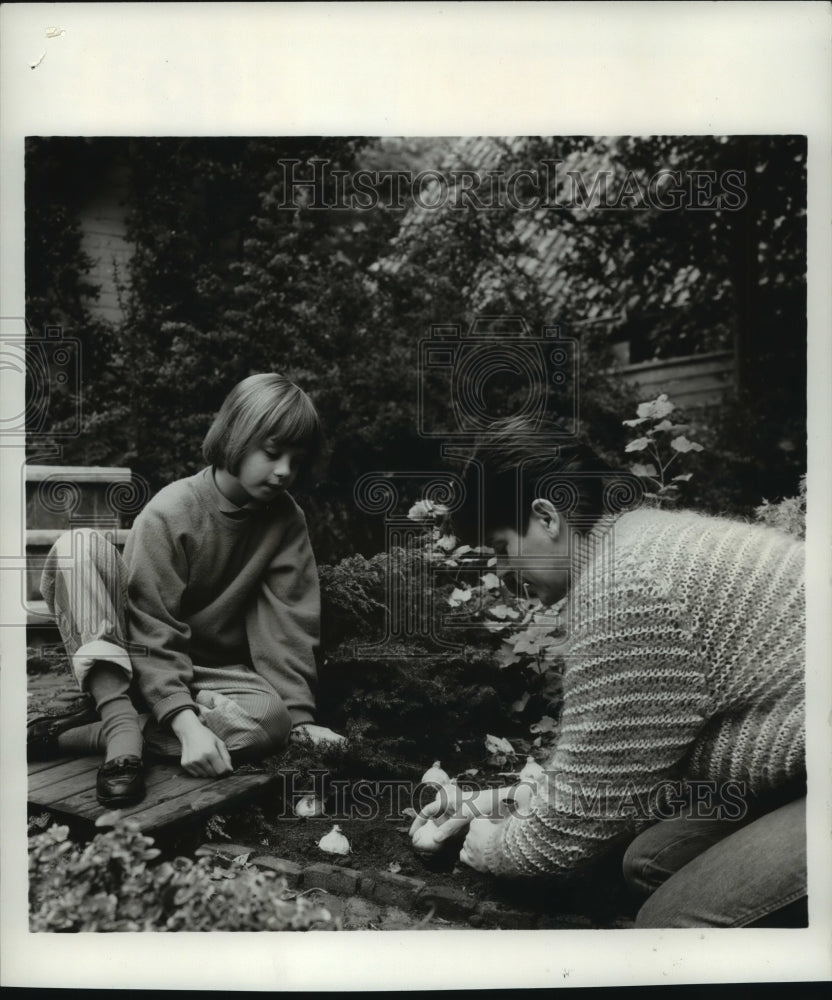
<point x="84" y="584"/>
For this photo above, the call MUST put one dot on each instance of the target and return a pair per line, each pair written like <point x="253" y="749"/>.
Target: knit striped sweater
<point x="684" y="661"/>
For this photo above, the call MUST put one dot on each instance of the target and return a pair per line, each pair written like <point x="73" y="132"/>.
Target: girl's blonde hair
<point x="263" y="408"/>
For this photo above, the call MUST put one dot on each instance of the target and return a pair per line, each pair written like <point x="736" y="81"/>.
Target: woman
<point x="683" y="695"/>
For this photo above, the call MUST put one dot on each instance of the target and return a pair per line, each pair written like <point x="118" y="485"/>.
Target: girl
<point x="212" y="616"/>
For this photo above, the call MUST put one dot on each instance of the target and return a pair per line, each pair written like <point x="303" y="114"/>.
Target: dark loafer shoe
<point x="120" y="782"/>
<point x="42" y="733"/>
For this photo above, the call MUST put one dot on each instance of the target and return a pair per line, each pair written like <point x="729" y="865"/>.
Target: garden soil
<point x="377" y="829"/>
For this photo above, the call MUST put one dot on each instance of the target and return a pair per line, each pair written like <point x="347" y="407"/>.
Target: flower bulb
<point x="308" y="806"/>
<point x="532" y="771"/>
<point x="435" y="775"/>
<point x="334" y="842"/>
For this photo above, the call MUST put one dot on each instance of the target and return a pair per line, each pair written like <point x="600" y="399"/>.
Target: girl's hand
<point x="317" y="735"/>
<point x="481" y="835"/>
<point x="204" y="755"/>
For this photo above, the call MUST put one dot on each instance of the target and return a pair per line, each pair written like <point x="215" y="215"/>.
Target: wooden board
<point x="66" y="788"/>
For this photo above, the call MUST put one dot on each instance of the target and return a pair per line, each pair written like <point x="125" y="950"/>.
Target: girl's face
<point x="268" y="470"/>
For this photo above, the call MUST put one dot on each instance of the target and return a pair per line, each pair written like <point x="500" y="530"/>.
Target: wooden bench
<point x="59" y="497"/>
<point x="66" y="788"/>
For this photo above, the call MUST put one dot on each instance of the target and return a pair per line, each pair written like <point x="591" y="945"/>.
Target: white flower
<point x="425" y="510"/>
<point x="460" y="596"/>
<point x="656" y="408"/>
<point x="496" y="744"/>
<point x="446" y="542"/>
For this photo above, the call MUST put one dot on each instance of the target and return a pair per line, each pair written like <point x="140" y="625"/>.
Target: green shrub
<point x="353" y="599"/>
<point x="112" y="884"/>
<point x="788" y="515"/>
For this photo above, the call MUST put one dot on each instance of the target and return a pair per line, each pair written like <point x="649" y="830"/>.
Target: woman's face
<point x="539" y="558"/>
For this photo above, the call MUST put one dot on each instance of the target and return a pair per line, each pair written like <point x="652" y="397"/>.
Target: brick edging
<point x="402" y="891"/>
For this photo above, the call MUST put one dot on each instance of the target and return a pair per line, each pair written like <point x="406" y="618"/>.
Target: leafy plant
<point x="529" y="635"/>
<point x="788" y="515"/>
<point x="662" y="441"/>
<point x="115" y="883"/>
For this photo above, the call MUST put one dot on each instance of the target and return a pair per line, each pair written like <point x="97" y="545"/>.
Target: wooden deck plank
<point x="68" y="771"/>
<point x="68" y="791"/>
<point x="76" y="794"/>
<point x="36" y="766"/>
<point x="221" y="792"/>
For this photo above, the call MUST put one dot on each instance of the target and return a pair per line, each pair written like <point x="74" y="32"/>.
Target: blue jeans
<point x="719" y="873"/>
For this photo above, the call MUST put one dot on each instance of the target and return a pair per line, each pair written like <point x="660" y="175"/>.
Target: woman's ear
<point x="547" y="515"/>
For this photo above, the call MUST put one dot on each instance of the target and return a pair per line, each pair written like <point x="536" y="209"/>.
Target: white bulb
<point x="435" y="775"/>
<point x="334" y="842"/>
<point x="308" y="806"/>
<point x="532" y="771"/>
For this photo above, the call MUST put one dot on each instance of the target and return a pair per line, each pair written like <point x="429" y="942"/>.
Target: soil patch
<point x="368" y="804"/>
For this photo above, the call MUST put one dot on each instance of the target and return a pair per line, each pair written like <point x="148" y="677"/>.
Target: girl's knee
<point x="78" y="542"/>
<point x="276" y="724"/>
<point x="251" y="727"/>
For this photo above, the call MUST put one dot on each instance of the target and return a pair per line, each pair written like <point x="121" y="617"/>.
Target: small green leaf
<point x="546" y="725"/>
<point x="496" y="744"/>
<point x="502" y="612"/>
<point x="682" y="444"/>
<point x="657" y="408"/>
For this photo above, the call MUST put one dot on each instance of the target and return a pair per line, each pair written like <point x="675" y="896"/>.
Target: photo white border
<point x="420" y="69"/>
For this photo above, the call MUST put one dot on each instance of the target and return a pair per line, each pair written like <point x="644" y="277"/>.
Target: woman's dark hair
<point x="519" y="460"/>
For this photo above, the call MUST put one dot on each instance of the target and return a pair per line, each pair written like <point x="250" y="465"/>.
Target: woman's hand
<point x="204" y="755"/>
<point x="481" y="835"/>
<point x="318" y="735"/>
<point x="454" y="808"/>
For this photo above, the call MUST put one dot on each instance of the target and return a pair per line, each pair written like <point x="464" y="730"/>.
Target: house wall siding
<point x="691" y="382"/>
<point x="103" y="222"/>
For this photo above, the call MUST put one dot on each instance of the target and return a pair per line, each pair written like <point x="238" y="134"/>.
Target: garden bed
<point x="367" y="788"/>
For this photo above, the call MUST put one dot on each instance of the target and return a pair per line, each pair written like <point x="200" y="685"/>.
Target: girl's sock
<point x="119" y="733"/>
<point x="83" y="740"/>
